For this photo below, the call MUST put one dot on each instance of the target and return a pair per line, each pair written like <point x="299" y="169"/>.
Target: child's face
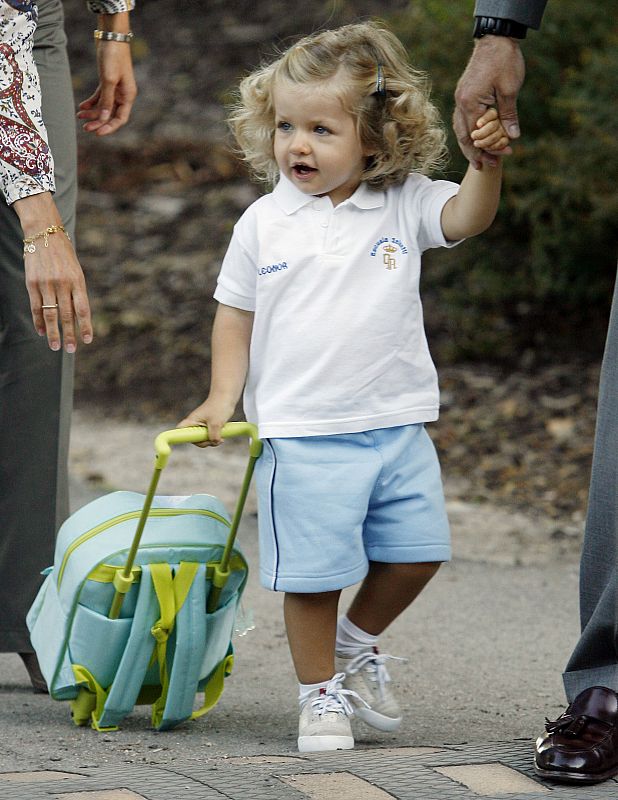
<point x="316" y="144"/>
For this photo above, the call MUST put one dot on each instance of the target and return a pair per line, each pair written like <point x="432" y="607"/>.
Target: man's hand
<point x="493" y="77"/>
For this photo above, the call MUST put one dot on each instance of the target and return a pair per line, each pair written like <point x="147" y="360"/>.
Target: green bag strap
<point x="214" y="688"/>
<point x="90" y="700"/>
<point x="171" y="593"/>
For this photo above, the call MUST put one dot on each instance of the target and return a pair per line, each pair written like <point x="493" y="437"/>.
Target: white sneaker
<point x="324" y="722"/>
<point x="367" y="677"/>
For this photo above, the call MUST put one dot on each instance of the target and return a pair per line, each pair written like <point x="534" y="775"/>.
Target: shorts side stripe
<point x="271" y="511"/>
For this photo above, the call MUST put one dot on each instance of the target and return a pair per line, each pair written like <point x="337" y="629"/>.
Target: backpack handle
<point x="163" y="442"/>
<point x="199" y="433"/>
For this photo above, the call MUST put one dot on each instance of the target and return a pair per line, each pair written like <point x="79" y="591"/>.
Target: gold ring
<point x="53" y="305"/>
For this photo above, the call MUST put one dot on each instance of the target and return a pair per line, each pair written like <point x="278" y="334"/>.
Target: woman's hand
<point x="110" y="106"/>
<point x="54" y="276"/>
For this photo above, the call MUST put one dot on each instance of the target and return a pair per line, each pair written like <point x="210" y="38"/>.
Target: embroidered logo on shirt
<point x="273" y="268"/>
<point x="389" y="260"/>
<point x="389" y="248"/>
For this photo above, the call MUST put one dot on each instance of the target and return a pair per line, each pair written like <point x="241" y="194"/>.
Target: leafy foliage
<point x="542" y="276"/>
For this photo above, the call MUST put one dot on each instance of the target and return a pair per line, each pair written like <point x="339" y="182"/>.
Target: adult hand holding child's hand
<point x="493" y="77"/>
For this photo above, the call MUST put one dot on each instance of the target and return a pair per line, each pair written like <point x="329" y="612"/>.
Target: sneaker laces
<point x="335" y="699"/>
<point x="373" y="663"/>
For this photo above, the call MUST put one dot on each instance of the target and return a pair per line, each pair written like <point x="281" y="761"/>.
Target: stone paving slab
<point x="115" y="794"/>
<point x="496" y="770"/>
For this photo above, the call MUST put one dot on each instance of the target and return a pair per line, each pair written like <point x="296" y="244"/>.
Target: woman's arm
<point x="53" y="272"/>
<point x="53" y="275"/>
<point x="26" y="163"/>
<point x="231" y="337"/>
<point x="109" y="107"/>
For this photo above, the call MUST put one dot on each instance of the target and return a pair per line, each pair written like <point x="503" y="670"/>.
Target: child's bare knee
<point x="312" y="598"/>
<point x="417" y="570"/>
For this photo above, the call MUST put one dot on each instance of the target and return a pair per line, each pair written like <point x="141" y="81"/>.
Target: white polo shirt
<point x="338" y="343"/>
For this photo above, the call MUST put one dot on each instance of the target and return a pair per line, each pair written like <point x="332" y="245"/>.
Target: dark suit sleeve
<point x="528" y="12"/>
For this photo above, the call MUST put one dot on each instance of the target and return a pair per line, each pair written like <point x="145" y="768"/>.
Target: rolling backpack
<point x="140" y="604"/>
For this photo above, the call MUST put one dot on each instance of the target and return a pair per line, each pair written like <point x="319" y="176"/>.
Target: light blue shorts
<point x="327" y="505"/>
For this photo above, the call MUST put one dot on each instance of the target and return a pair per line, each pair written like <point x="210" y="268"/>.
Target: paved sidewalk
<point x="483" y="671"/>
<point x="407" y="773"/>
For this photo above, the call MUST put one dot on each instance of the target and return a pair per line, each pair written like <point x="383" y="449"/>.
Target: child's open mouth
<point x="302" y="171"/>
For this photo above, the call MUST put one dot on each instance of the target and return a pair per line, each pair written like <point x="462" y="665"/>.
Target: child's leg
<point x="311" y="624"/>
<point x="388" y="590"/>
<point x="406" y="537"/>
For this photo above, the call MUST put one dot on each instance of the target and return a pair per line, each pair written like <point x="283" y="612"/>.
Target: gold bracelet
<point x="30" y="247"/>
<point x="113" y="36"/>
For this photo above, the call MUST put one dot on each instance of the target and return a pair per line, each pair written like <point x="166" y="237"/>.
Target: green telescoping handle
<point x="163" y="447"/>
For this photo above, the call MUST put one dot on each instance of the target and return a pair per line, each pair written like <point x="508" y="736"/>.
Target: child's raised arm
<point x="474" y="207"/>
<point x="231" y="336"/>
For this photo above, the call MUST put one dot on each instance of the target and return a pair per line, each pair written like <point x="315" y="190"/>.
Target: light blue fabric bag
<point x="140" y="604"/>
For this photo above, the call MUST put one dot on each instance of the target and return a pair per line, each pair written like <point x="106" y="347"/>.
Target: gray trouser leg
<point x="594" y="661"/>
<point x="35" y="384"/>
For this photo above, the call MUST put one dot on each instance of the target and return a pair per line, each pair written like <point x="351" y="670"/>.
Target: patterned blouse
<point x="26" y="163"/>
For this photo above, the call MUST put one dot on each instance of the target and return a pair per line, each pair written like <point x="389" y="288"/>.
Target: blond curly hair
<point x="399" y="125"/>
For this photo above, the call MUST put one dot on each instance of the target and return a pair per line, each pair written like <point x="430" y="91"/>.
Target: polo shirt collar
<point x="366" y="197"/>
<point x="290" y="199"/>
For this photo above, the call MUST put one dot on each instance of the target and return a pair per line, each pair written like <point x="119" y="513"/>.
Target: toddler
<point x="320" y="322"/>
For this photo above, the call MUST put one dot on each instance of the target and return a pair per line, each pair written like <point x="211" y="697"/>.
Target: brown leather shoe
<point x="582" y="744"/>
<point x="31" y="663"/>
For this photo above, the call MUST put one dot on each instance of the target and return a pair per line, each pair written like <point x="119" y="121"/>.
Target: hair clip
<point x="380" y="90"/>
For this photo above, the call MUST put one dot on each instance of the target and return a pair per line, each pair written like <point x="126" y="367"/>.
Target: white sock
<point x="351" y="639"/>
<point x="305" y="690"/>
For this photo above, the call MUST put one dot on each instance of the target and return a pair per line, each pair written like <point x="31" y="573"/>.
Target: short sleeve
<point x="237" y="279"/>
<point x="425" y="200"/>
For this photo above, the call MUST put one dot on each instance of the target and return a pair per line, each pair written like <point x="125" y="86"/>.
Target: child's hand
<point x="490" y="134"/>
<point x="213" y="414"/>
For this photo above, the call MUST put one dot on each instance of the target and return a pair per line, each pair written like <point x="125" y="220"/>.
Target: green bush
<point x="542" y="276"/>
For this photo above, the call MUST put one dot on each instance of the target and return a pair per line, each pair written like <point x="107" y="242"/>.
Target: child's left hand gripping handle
<point x="199" y="433"/>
